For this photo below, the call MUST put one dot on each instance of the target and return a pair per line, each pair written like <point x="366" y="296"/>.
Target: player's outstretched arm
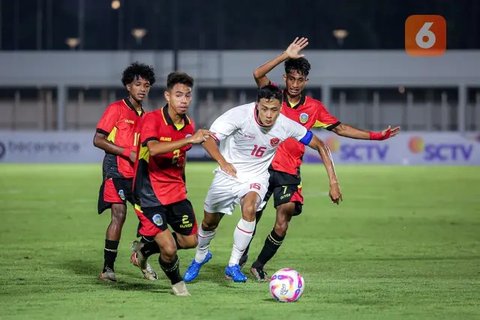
<point x="325" y="155"/>
<point x="156" y="147"/>
<point x="100" y="141"/>
<point x="292" y="52"/>
<point x="210" y="145"/>
<point x="348" y="131"/>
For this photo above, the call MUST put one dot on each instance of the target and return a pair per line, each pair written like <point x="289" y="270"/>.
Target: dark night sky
<point x="219" y="24"/>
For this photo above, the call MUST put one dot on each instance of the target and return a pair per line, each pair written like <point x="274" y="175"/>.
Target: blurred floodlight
<point x="138" y="34"/>
<point x="340" y="35"/>
<point x="116" y="4"/>
<point x="72" y="43"/>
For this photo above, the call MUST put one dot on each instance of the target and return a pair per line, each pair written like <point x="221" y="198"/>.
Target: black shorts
<point x="285" y="188"/>
<point x="114" y="190"/>
<point x="179" y="216"/>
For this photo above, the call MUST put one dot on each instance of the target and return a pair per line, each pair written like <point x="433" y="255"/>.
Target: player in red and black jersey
<point x="159" y="187"/>
<point x="285" y="180"/>
<point x="116" y="134"/>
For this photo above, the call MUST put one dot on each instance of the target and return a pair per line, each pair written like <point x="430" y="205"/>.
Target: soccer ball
<point x="286" y="285"/>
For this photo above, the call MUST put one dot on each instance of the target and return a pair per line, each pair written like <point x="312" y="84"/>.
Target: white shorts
<point x="225" y="192"/>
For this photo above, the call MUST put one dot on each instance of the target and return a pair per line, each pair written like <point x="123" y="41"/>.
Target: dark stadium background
<point x="225" y="25"/>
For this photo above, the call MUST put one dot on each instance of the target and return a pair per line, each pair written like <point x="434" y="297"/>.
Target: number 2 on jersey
<point x="176" y="155"/>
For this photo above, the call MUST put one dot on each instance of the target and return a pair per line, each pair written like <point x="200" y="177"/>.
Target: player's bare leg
<point x="186" y="242"/>
<point x="274" y="240"/>
<point x="112" y="239"/>
<point x="170" y="263"/>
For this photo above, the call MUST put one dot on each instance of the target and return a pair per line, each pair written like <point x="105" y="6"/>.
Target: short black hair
<point x="301" y="65"/>
<point x="179" y="77"/>
<point x="136" y="70"/>
<point x="269" y="92"/>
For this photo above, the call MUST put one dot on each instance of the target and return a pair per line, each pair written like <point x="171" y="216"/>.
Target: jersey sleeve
<point x="297" y="131"/>
<point x="226" y="124"/>
<point x="324" y="119"/>
<point x="109" y="119"/>
<point x="149" y="130"/>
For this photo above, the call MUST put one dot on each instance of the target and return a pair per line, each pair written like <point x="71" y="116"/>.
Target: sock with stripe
<point x="149" y="246"/>
<point x="272" y="243"/>
<point x="171" y="269"/>
<point x="241" y="239"/>
<point x="204" y="239"/>
<point x="110" y="254"/>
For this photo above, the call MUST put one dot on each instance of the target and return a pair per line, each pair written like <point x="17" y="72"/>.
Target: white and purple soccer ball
<point x="286" y="285"/>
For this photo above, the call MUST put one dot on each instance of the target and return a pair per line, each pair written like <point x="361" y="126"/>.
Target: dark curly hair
<point x="301" y="65"/>
<point x="136" y="70"/>
<point x="270" y="91"/>
<point x="179" y="77"/>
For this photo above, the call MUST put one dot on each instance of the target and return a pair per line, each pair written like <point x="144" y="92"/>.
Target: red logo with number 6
<point x="425" y="35"/>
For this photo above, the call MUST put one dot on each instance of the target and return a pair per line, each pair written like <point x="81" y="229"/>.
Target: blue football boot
<point x="235" y="273"/>
<point x="194" y="268"/>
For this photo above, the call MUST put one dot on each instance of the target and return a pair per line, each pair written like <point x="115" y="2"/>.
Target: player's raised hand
<point x="390" y="132"/>
<point x="384" y="134"/>
<point x="335" y="193"/>
<point x="293" y="50"/>
<point x="200" y="136"/>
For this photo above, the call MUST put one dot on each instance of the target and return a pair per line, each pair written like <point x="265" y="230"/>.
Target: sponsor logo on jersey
<point x="129" y="121"/>
<point x="165" y="138"/>
<point x="249" y="136"/>
<point x="157" y="219"/>
<point x="303" y="117"/>
<point x="274" y="142"/>
<point x="186" y="222"/>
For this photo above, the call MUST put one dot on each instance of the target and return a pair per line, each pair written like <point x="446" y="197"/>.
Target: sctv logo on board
<point x="358" y="151"/>
<point x="440" y="151"/>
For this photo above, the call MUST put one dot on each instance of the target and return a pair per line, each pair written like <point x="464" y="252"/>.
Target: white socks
<point x="204" y="239"/>
<point x="241" y="238"/>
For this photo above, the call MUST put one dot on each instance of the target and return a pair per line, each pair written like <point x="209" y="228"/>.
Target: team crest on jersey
<point x="121" y="194"/>
<point x="274" y="142"/>
<point x="157" y="219"/>
<point x="303" y="117"/>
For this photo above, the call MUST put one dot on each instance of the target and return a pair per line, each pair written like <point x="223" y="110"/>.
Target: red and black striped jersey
<point x="119" y="123"/>
<point x="160" y="180"/>
<point x="310" y="113"/>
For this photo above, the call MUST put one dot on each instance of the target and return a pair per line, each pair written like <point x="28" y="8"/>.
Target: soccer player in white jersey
<point x="249" y="136"/>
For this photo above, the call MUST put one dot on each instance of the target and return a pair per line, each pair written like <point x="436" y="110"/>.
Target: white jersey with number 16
<point x="246" y="144"/>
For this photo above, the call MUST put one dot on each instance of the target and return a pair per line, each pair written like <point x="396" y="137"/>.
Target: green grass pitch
<point x="404" y="244"/>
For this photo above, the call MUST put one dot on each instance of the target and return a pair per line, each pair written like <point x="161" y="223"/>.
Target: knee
<point x="281" y="228"/>
<point x="168" y="252"/>
<point x="249" y="212"/>
<point x="119" y="213"/>
<point x="188" y="242"/>
<point x="209" y="225"/>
